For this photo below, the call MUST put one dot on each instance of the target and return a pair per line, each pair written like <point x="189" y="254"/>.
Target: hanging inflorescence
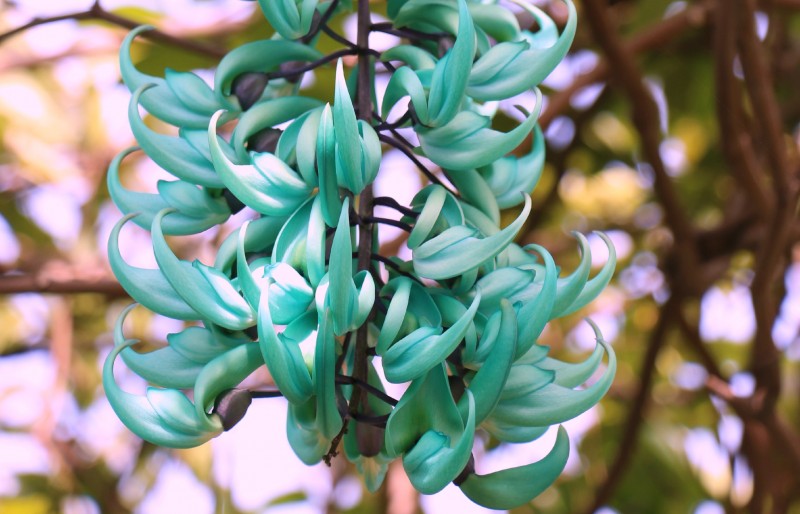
<point x="459" y="321"/>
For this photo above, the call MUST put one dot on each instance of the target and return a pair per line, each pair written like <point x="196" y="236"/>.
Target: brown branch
<point x="645" y="117"/>
<point x="770" y="259"/>
<point x="96" y="12"/>
<point x="736" y="142"/>
<point x="654" y="36"/>
<point x="61" y="281"/>
<point x="638" y="409"/>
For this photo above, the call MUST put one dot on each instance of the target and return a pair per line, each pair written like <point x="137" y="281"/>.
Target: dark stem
<point x="390" y="263"/>
<point x="385" y="125"/>
<point x="388" y="201"/>
<point x="413" y="158"/>
<point x="285" y="74"/>
<point x="388" y="221"/>
<point x="347" y="379"/>
<point x="321" y="23"/>
<point x="388" y="28"/>
<point x="267" y="393"/>
<point x="338" y="38"/>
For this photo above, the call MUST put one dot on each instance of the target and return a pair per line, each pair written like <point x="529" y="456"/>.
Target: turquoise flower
<point x="298" y="287"/>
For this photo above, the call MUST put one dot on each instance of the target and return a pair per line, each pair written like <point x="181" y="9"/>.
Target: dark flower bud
<point x="264" y="140"/>
<point x="234" y="204"/>
<point x="248" y="88"/>
<point x="231" y="406"/>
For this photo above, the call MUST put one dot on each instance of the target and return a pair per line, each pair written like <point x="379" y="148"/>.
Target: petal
<point x="283" y="357"/>
<point x="413" y="356"/>
<point x="513" y="487"/>
<point x="268" y="185"/>
<point x="205" y="289"/>
<point x="454" y="252"/>
<point x="148" y="287"/>
<point x="174" y="154"/>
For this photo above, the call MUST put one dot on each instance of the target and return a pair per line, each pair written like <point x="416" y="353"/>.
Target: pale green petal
<point x="513" y="487"/>
<point x="487" y="384"/>
<point x="450" y="76"/>
<point x="174" y="154"/>
<point x="148" y="287"/>
<point x="329" y="421"/>
<point x="420" y="351"/>
<point x="326" y="168"/>
<point x="205" y="289"/>
<point x="466" y="142"/>
<point x="268" y="185"/>
<point x="456" y="251"/>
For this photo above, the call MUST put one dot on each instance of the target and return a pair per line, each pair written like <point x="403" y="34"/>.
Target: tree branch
<point x="96" y="12"/>
<point x="655" y="36"/>
<point x="62" y="281"/>
<point x="765" y="358"/>
<point x="735" y="141"/>
<point x="645" y="117"/>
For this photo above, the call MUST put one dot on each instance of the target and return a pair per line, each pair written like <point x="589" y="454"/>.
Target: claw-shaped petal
<point x="148" y="287"/>
<point x="174" y="154"/>
<point x="196" y="209"/>
<point x="421" y="350"/>
<point x="554" y="403"/>
<point x="510" y="68"/>
<point x="466" y="142"/>
<point x="268" y="185"/>
<point x="456" y="250"/>
<point x="513" y="487"/>
<point x="163" y="416"/>
<point x="207" y="290"/>
<point x="182" y="99"/>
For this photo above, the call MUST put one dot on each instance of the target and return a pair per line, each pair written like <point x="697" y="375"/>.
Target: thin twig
<point x="312" y="65"/>
<point x="61" y="282"/>
<point x="96" y="12"/>
<point x="388" y="201"/>
<point x="413" y="158"/>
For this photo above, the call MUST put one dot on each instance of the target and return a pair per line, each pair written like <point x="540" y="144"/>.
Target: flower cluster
<point x="303" y="288"/>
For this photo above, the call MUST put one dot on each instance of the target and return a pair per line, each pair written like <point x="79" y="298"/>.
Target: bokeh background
<point x="671" y="126"/>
